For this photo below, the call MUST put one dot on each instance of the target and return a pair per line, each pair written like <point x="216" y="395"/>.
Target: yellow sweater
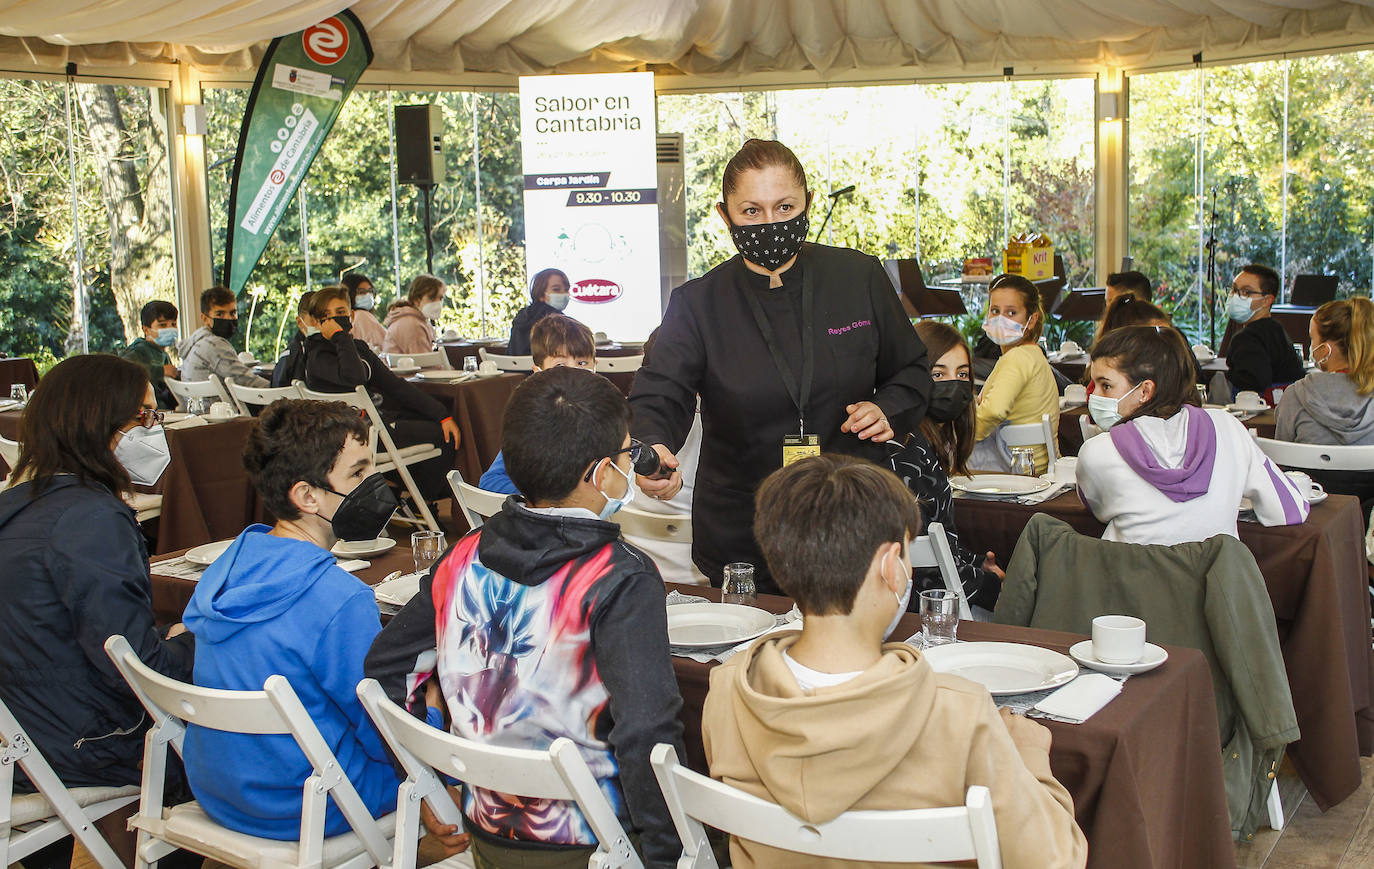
<point x="1020" y="389"/>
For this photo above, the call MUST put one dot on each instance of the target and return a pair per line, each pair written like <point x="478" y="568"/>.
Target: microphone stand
<point x="834" y="198"/>
<point x="1212" y="274"/>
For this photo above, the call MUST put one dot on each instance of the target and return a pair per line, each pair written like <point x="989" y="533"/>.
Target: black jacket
<point x="524" y="321"/>
<point x="291" y="366"/>
<point x="1261" y="355"/>
<point x="341" y="363"/>
<point x="76" y="572"/>
<point x="554" y="627"/>
<point x="865" y="350"/>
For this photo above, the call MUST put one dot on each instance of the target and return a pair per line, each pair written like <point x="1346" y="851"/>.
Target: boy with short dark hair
<point x="834" y="719"/>
<point x="159" y="321"/>
<point x="1129" y="283"/>
<point x="543" y="623"/>
<point x="555" y="341"/>
<point x="1261" y="354"/>
<point x="208" y="351"/>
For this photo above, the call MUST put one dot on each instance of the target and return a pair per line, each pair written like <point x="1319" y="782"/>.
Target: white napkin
<point x="1079" y="700"/>
<point x="1041" y="497"/>
<point x="178" y="568"/>
<point x="354" y="565"/>
<point x="188" y="422"/>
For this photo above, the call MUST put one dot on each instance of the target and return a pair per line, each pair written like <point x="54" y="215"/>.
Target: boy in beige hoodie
<point x="833" y="718"/>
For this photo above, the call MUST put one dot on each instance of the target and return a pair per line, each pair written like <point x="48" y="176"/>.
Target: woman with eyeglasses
<point x="76" y="570"/>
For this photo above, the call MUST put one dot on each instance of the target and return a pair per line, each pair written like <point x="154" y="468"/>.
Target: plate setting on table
<point x="1003" y="668"/>
<point x="444" y="374"/>
<point x="707" y="625"/>
<point x="206" y="553"/>
<point x="362" y="548"/>
<point x="999" y="485"/>
<point x="405" y="370"/>
<point x="1152" y="657"/>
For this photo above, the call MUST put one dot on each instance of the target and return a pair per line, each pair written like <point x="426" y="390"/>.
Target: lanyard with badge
<point x="801" y="444"/>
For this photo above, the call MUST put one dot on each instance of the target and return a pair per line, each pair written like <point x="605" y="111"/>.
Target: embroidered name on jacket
<point x="857" y="324"/>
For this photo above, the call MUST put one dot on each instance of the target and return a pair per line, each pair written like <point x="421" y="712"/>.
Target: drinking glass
<point x="19" y="392"/>
<point x="939" y="617"/>
<point x="1023" y="461"/>
<point x="426" y="547"/>
<point x="739" y="584"/>
<point x="197" y="405"/>
<point x="1302" y="356"/>
<point x="1202" y="393"/>
<point x="470" y="364"/>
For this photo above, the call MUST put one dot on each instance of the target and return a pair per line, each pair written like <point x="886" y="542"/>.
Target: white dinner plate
<point x="443" y="375"/>
<point x="404" y="370"/>
<point x="207" y="553"/>
<point x="1240" y="408"/>
<point x="1153" y="657"/>
<point x="8" y="403"/>
<point x="1003" y="668"/>
<point x="999" y="485"/>
<point x="485" y="374"/>
<point x="706" y="625"/>
<point x="398" y="591"/>
<point x="362" y="548"/>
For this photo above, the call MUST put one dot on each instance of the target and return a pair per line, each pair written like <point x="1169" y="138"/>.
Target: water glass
<point x="426" y="547"/>
<point x="470" y="364"/>
<point x="1023" y="461"/>
<point x="1302" y="355"/>
<point x="19" y="392"/>
<point x="939" y="617"/>
<point x="739" y="584"/>
<point x="1202" y="393"/>
<point x="197" y="405"/>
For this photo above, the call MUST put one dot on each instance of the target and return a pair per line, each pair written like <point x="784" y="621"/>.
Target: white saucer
<point x="206" y="553"/>
<point x="485" y="374"/>
<point x="404" y="370"/>
<point x="1058" y="482"/>
<point x="1153" y="657"/>
<point x="1241" y="408"/>
<point x="362" y="548"/>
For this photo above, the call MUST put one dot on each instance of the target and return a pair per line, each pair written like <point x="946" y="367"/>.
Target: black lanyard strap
<point x="801" y="396"/>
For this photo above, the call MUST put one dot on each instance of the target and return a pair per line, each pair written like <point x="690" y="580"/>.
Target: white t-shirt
<point x="809" y="679"/>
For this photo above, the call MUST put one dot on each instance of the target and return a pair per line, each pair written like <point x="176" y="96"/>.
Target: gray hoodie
<point x="1324" y="408"/>
<point x="203" y="353"/>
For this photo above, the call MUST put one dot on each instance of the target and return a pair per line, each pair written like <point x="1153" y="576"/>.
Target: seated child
<point x="832" y="718"/>
<point x="543" y="623"/>
<point x="1169" y="471"/>
<point x="159" y="320"/>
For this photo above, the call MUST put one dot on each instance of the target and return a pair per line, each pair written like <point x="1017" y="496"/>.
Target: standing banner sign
<point x="301" y="86"/>
<point x="589" y="146"/>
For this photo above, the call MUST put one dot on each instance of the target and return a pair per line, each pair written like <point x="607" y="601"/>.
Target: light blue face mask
<point x="1106" y="412"/>
<point x="167" y="337"/>
<point x="613" y="505"/>
<point x="1238" y="308"/>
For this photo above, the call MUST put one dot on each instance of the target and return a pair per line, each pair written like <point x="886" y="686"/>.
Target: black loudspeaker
<point x="420" y="145"/>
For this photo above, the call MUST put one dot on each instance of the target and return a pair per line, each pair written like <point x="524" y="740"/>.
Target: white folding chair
<point x="478" y="505"/>
<point x="431" y="360"/>
<point x="507" y="363"/>
<point x="941" y="835"/>
<point x="274" y="710"/>
<point x="32" y="821"/>
<point x="9" y="451"/>
<point x="1088" y="427"/>
<point x="618" y="364"/>
<point x="1032" y="434"/>
<point x="932" y="550"/>
<point x="1317" y="457"/>
<point x="211" y="389"/>
<point x="559" y="773"/>
<point x="247" y="397"/>
<point x="669" y="528"/>
<point x="390" y="457"/>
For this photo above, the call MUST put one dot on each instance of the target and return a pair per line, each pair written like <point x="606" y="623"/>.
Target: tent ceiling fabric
<point x="726" y="38"/>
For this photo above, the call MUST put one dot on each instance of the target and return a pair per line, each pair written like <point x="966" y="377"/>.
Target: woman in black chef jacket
<point x="793" y="347"/>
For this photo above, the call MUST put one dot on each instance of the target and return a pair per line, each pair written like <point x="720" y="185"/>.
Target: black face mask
<point x="345" y="323"/>
<point x="770" y="244"/>
<point x="224" y="327"/>
<point x="364" y="512"/>
<point x="949" y="399"/>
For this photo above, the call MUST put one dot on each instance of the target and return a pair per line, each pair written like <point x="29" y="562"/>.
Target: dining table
<point x="1317" y="579"/>
<point x="478" y="404"/>
<point x="1144" y="772"/>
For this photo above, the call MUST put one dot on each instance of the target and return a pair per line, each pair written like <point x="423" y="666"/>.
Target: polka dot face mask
<point x="770" y="244"/>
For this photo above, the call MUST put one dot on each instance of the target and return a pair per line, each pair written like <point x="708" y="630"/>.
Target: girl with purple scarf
<point x="1166" y="470"/>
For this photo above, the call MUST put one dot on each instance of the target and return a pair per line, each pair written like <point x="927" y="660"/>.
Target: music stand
<point x="1082" y="304"/>
<point x="925" y="301"/>
<point x="1311" y="291"/>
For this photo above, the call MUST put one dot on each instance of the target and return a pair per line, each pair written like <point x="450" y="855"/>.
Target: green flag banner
<point x="300" y="89"/>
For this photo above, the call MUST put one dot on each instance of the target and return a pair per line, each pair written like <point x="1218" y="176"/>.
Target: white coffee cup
<point x="1065" y="470"/>
<point x="1076" y="392"/>
<point x="222" y="410"/>
<point x="403" y="362"/>
<point x="600" y="338"/>
<point x="1249" y="399"/>
<point x="451" y="334"/>
<point x="1202" y="351"/>
<point x="487" y="367"/>
<point x="247" y="358"/>
<point x="1070" y="348"/>
<point x="1309" y="487"/>
<point x="1118" y="639"/>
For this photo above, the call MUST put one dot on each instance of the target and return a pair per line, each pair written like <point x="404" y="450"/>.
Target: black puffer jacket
<point x="76" y="572"/>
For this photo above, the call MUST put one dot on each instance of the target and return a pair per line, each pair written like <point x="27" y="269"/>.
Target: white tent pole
<point x="79" y="260"/>
<point x="395" y="222"/>
<point x="477" y="183"/>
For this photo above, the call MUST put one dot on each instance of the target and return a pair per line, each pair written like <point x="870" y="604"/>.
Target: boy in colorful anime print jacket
<point x="544" y="623"/>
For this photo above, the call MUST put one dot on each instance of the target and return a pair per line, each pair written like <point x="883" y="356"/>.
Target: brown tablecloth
<point x="478" y="406"/>
<point x="9" y="423"/>
<point x="1073" y="368"/>
<point x="457" y="351"/>
<point x="206" y="494"/>
<point x="17" y="369"/>
<point x="1318" y="583"/>
<point x="1144" y="772"/>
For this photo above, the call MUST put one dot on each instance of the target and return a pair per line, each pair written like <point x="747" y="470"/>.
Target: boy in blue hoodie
<point x="276" y="602"/>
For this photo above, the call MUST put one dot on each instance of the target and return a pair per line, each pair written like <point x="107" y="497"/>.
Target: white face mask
<point x="365" y="301"/>
<point x="1238" y="308"/>
<point x="558" y="300"/>
<point x="433" y="310"/>
<point x="143" y="453"/>
<point x="1003" y="330"/>
<point x="1106" y="412"/>
<point x="1321" y="363"/>
<point x="613" y="505"/>
<point x="902" y="599"/>
<point x="311" y="330"/>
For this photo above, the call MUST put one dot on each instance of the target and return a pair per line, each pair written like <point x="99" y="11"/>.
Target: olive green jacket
<point x="1208" y="596"/>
